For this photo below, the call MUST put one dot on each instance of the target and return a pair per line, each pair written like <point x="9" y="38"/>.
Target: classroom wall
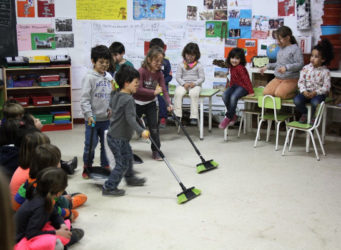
<point x="175" y="30"/>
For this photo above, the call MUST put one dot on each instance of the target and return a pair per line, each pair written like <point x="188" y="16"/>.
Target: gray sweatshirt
<point x="123" y="118"/>
<point x="96" y="89"/>
<point x="292" y="59"/>
<point x="195" y="75"/>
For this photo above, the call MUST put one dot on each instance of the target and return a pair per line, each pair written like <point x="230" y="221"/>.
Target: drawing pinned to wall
<point x="63" y="24"/>
<point x="241" y="27"/>
<point x="286" y="7"/>
<point x="24" y="34"/>
<point x="149" y="9"/>
<point x="220" y="15"/>
<point x="101" y="9"/>
<point x="45" y="8"/>
<point x="43" y="41"/>
<point x="25" y="8"/>
<point x="260" y="27"/>
<point x="206" y="15"/>
<point x="192" y="12"/>
<point x="303" y="14"/>
<point x="216" y="29"/>
<point x="64" y="40"/>
<point x="220" y="4"/>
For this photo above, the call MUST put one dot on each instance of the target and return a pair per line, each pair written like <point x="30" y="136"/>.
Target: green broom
<point x="187" y="194"/>
<point x="204" y="166"/>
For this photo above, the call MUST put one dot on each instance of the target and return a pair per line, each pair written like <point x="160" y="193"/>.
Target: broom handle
<point x="162" y="156"/>
<point x="185" y="132"/>
<point x="91" y="141"/>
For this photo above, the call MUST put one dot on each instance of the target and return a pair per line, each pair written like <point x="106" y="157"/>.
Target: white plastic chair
<point x="308" y="128"/>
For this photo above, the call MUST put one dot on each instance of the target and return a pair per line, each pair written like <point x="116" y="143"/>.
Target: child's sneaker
<point x="85" y="173"/>
<point x="78" y="199"/>
<point x="77" y="235"/>
<point x="113" y="192"/>
<point x="156" y="156"/>
<point x="224" y="123"/>
<point x="303" y="119"/>
<point x="163" y="123"/>
<point x="135" y="181"/>
<point x="233" y="121"/>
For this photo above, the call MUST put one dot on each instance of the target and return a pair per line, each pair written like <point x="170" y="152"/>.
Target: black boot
<point x="69" y="166"/>
<point x="135" y="181"/>
<point x="77" y="235"/>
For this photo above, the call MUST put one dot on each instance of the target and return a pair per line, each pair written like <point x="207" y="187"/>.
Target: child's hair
<point x="325" y="48"/>
<point x="126" y="74"/>
<point x="12" y="109"/>
<point x="45" y="155"/>
<point x="191" y="49"/>
<point x="236" y="52"/>
<point x="100" y="51"/>
<point x="50" y="181"/>
<point x="286" y="31"/>
<point x="157" y="42"/>
<point x="27" y="122"/>
<point x="115" y="48"/>
<point x="6" y="220"/>
<point x="28" y="145"/>
<point x="9" y="132"/>
<point x="152" y="53"/>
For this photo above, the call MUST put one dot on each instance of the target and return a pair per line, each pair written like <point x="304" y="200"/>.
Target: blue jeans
<point x="123" y="162"/>
<point x="231" y="97"/>
<point x="300" y="100"/>
<point x="163" y="113"/>
<point x="99" y="129"/>
<point x="151" y="115"/>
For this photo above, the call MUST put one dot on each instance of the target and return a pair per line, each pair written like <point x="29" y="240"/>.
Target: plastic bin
<point x="23" y="83"/>
<point x="330" y="29"/>
<point x="23" y="101"/>
<point x="44" y="118"/>
<point x="49" y="78"/>
<point x="48" y="84"/>
<point x="42" y="100"/>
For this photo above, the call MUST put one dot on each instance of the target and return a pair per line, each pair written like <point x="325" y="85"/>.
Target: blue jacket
<point x="167" y="71"/>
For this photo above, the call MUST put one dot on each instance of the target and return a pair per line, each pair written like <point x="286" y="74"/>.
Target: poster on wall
<point x="286" y="7"/>
<point x="249" y="46"/>
<point x="43" y="41"/>
<point x="45" y="8"/>
<point x="63" y="24"/>
<point x="149" y="10"/>
<point x="64" y="40"/>
<point x="24" y="34"/>
<point x="240" y="26"/>
<point x="216" y="29"/>
<point x="192" y="12"/>
<point x="303" y="14"/>
<point x="25" y="8"/>
<point x="260" y="27"/>
<point x="101" y="9"/>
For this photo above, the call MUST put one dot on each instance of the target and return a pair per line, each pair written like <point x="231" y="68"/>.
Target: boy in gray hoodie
<point x="96" y="89"/>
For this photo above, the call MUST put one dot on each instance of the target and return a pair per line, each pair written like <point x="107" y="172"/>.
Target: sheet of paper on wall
<point x="101" y="9"/>
<point x="260" y="27"/>
<point x="43" y="41"/>
<point x="239" y="4"/>
<point x="25" y="8"/>
<point x="286" y="7"/>
<point x="263" y="45"/>
<point x="45" y="8"/>
<point x="240" y="25"/>
<point x="305" y="43"/>
<point x="195" y="31"/>
<point x="24" y="34"/>
<point x="149" y="10"/>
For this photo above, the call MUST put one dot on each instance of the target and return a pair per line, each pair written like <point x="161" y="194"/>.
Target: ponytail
<point x="293" y="40"/>
<point x="285" y="31"/>
<point x="48" y="202"/>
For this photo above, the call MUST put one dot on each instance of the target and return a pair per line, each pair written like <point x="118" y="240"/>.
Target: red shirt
<point x="240" y="77"/>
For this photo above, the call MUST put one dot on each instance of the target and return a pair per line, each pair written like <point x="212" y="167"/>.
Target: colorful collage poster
<point x="45" y="8"/>
<point x="240" y="25"/>
<point x="149" y="10"/>
<point x="286" y="7"/>
<point x="101" y="9"/>
<point x="43" y="41"/>
<point x="249" y="46"/>
<point x="216" y="29"/>
<point x="25" y="8"/>
<point x="260" y="27"/>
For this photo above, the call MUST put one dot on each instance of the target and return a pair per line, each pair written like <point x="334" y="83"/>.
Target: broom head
<point x="188" y="194"/>
<point x="206" y="166"/>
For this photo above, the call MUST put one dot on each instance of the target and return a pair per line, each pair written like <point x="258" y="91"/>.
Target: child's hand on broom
<point x="145" y="134"/>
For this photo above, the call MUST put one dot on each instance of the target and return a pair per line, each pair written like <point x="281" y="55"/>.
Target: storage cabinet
<point x="31" y="86"/>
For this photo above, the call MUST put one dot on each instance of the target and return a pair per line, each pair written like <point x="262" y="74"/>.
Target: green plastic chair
<point x="273" y="103"/>
<point x="308" y="128"/>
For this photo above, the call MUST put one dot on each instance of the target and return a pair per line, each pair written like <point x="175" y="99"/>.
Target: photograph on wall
<point x="234" y="13"/>
<point x="216" y="29"/>
<point x="220" y="72"/>
<point x="45" y="8"/>
<point x="64" y="40"/>
<point x="192" y="12"/>
<point x="25" y="8"/>
<point x="208" y="4"/>
<point x="63" y="24"/>
<point x="220" y="15"/>
<point x="43" y="41"/>
<point x="241" y="27"/>
<point x="220" y="4"/>
<point x="260" y="27"/>
<point x="303" y="14"/>
<point x="231" y="42"/>
<point x="286" y="7"/>
<point x="219" y="85"/>
<point x="206" y="15"/>
<point x="274" y="24"/>
<point x="149" y="10"/>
